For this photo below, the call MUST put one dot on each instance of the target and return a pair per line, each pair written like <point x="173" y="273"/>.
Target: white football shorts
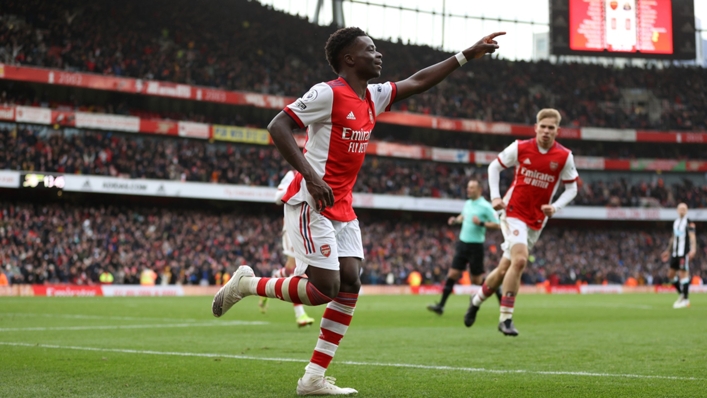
<point x="516" y="231"/>
<point x="319" y="241"/>
<point x="287" y="248"/>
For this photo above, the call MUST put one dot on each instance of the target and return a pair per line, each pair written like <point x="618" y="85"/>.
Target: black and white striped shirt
<point x="681" y="238"/>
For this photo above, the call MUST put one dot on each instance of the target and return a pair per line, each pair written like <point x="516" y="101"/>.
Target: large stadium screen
<point x="621" y="26"/>
<point x="635" y="28"/>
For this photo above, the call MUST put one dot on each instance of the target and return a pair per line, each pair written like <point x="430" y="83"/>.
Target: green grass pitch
<point x="569" y="346"/>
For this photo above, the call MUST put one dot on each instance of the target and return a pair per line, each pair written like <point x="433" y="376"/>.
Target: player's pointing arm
<point x="429" y="77"/>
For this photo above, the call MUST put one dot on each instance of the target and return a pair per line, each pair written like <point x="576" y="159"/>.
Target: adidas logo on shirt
<point x="351" y="116"/>
<point x="526" y="161"/>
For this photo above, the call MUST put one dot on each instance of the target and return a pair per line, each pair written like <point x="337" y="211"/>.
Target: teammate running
<point x="540" y="164"/>
<point x="300" y="314"/>
<point x="681" y="249"/>
<point x="340" y="115"/>
<point x="477" y="215"/>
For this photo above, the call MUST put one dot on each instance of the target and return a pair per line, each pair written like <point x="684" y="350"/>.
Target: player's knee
<point x="331" y="290"/>
<point x="350" y="282"/>
<point x="519" y="262"/>
<point x="327" y="287"/>
<point x="350" y="286"/>
<point x="453" y="274"/>
<point x="350" y="274"/>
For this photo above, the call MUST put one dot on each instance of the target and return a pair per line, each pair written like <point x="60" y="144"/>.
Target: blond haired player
<point x="541" y="163"/>
<point x="681" y="249"/>
<point x="300" y="314"/>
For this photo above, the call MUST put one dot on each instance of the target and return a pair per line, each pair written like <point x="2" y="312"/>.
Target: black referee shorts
<point x="680" y="263"/>
<point x="471" y="254"/>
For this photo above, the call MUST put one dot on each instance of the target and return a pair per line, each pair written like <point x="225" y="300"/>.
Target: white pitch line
<point x="117" y="318"/>
<point x="590" y="305"/>
<point x="118" y="327"/>
<point x="353" y="363"/>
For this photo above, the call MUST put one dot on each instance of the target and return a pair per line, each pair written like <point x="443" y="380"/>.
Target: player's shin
<point x="482" y="294"/>
<point x="447" y="290"/>
<point x="685" y="284"/>
<point x="335" y="322"/>
<point x="511" y="285"/>
<point x="295" y="290"/>
<point x="507" y="304"/>
<point x="676" y="283"/>
<point x="299" y="310"/>
<point x="490" y="285"/>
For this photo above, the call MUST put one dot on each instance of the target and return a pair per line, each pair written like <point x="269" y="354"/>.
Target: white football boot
<point x="229" y="294"/>
<point x="321" y="385"/>
<point x="682" y="304"/>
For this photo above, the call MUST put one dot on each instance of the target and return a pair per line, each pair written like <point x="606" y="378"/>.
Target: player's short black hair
<point x="337" y="42"/>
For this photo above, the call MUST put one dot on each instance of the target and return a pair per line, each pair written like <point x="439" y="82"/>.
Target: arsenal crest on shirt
<point x="553" y="166"/>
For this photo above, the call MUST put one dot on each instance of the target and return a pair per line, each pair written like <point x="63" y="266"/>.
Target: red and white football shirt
<point x="537" y="175"/>
<point x="340" y="125"/>
<point x="282" y="187"/>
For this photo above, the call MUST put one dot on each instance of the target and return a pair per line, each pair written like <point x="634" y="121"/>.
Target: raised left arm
<point x="429" y="77"/>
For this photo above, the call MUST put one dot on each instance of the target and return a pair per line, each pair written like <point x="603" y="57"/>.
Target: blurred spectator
<point x="144" y="156"/>
<point x="23" y="95"/>
<point x="48" y="244"/>
<point x="105" y="277"/>
<point x="217" y="44"/>
<point x="4" y="281"/>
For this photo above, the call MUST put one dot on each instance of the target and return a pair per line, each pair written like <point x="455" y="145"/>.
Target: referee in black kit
<point x="681" y="249"/>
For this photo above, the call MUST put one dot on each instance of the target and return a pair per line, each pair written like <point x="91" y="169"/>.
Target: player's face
<point x="682" y="209"/>
<point x="546" y="131"/>
<point x="473" y="190"/>
<point x="368" y="62"/>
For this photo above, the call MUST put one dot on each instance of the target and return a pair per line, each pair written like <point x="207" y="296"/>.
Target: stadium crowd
<point x="153" y="157"/>
<point x="69" y="243"/>
<point x="14" y="94"/>
<point x="205" y="45"/>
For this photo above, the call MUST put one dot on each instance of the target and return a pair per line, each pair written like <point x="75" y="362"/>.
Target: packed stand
<point x="570" y="255"/>
<point x="130" y="156"/>
<point x="63" y="243"/>
<point x="14" y="94"/>
<point x="23" y="95"/>
<point x="217" y="44"/>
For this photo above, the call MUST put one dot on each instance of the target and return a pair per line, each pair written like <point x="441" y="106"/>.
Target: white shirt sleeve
<point x="313" y="107"/>
<point x="569" y="177"/>
<point x="567" y="196"/>
<point x="383" y="95"/>
<point x="282" y="188"/>
<point x="569" y="172"/>
<point x="494" y="175"/>
<point x="509" y="156"/>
